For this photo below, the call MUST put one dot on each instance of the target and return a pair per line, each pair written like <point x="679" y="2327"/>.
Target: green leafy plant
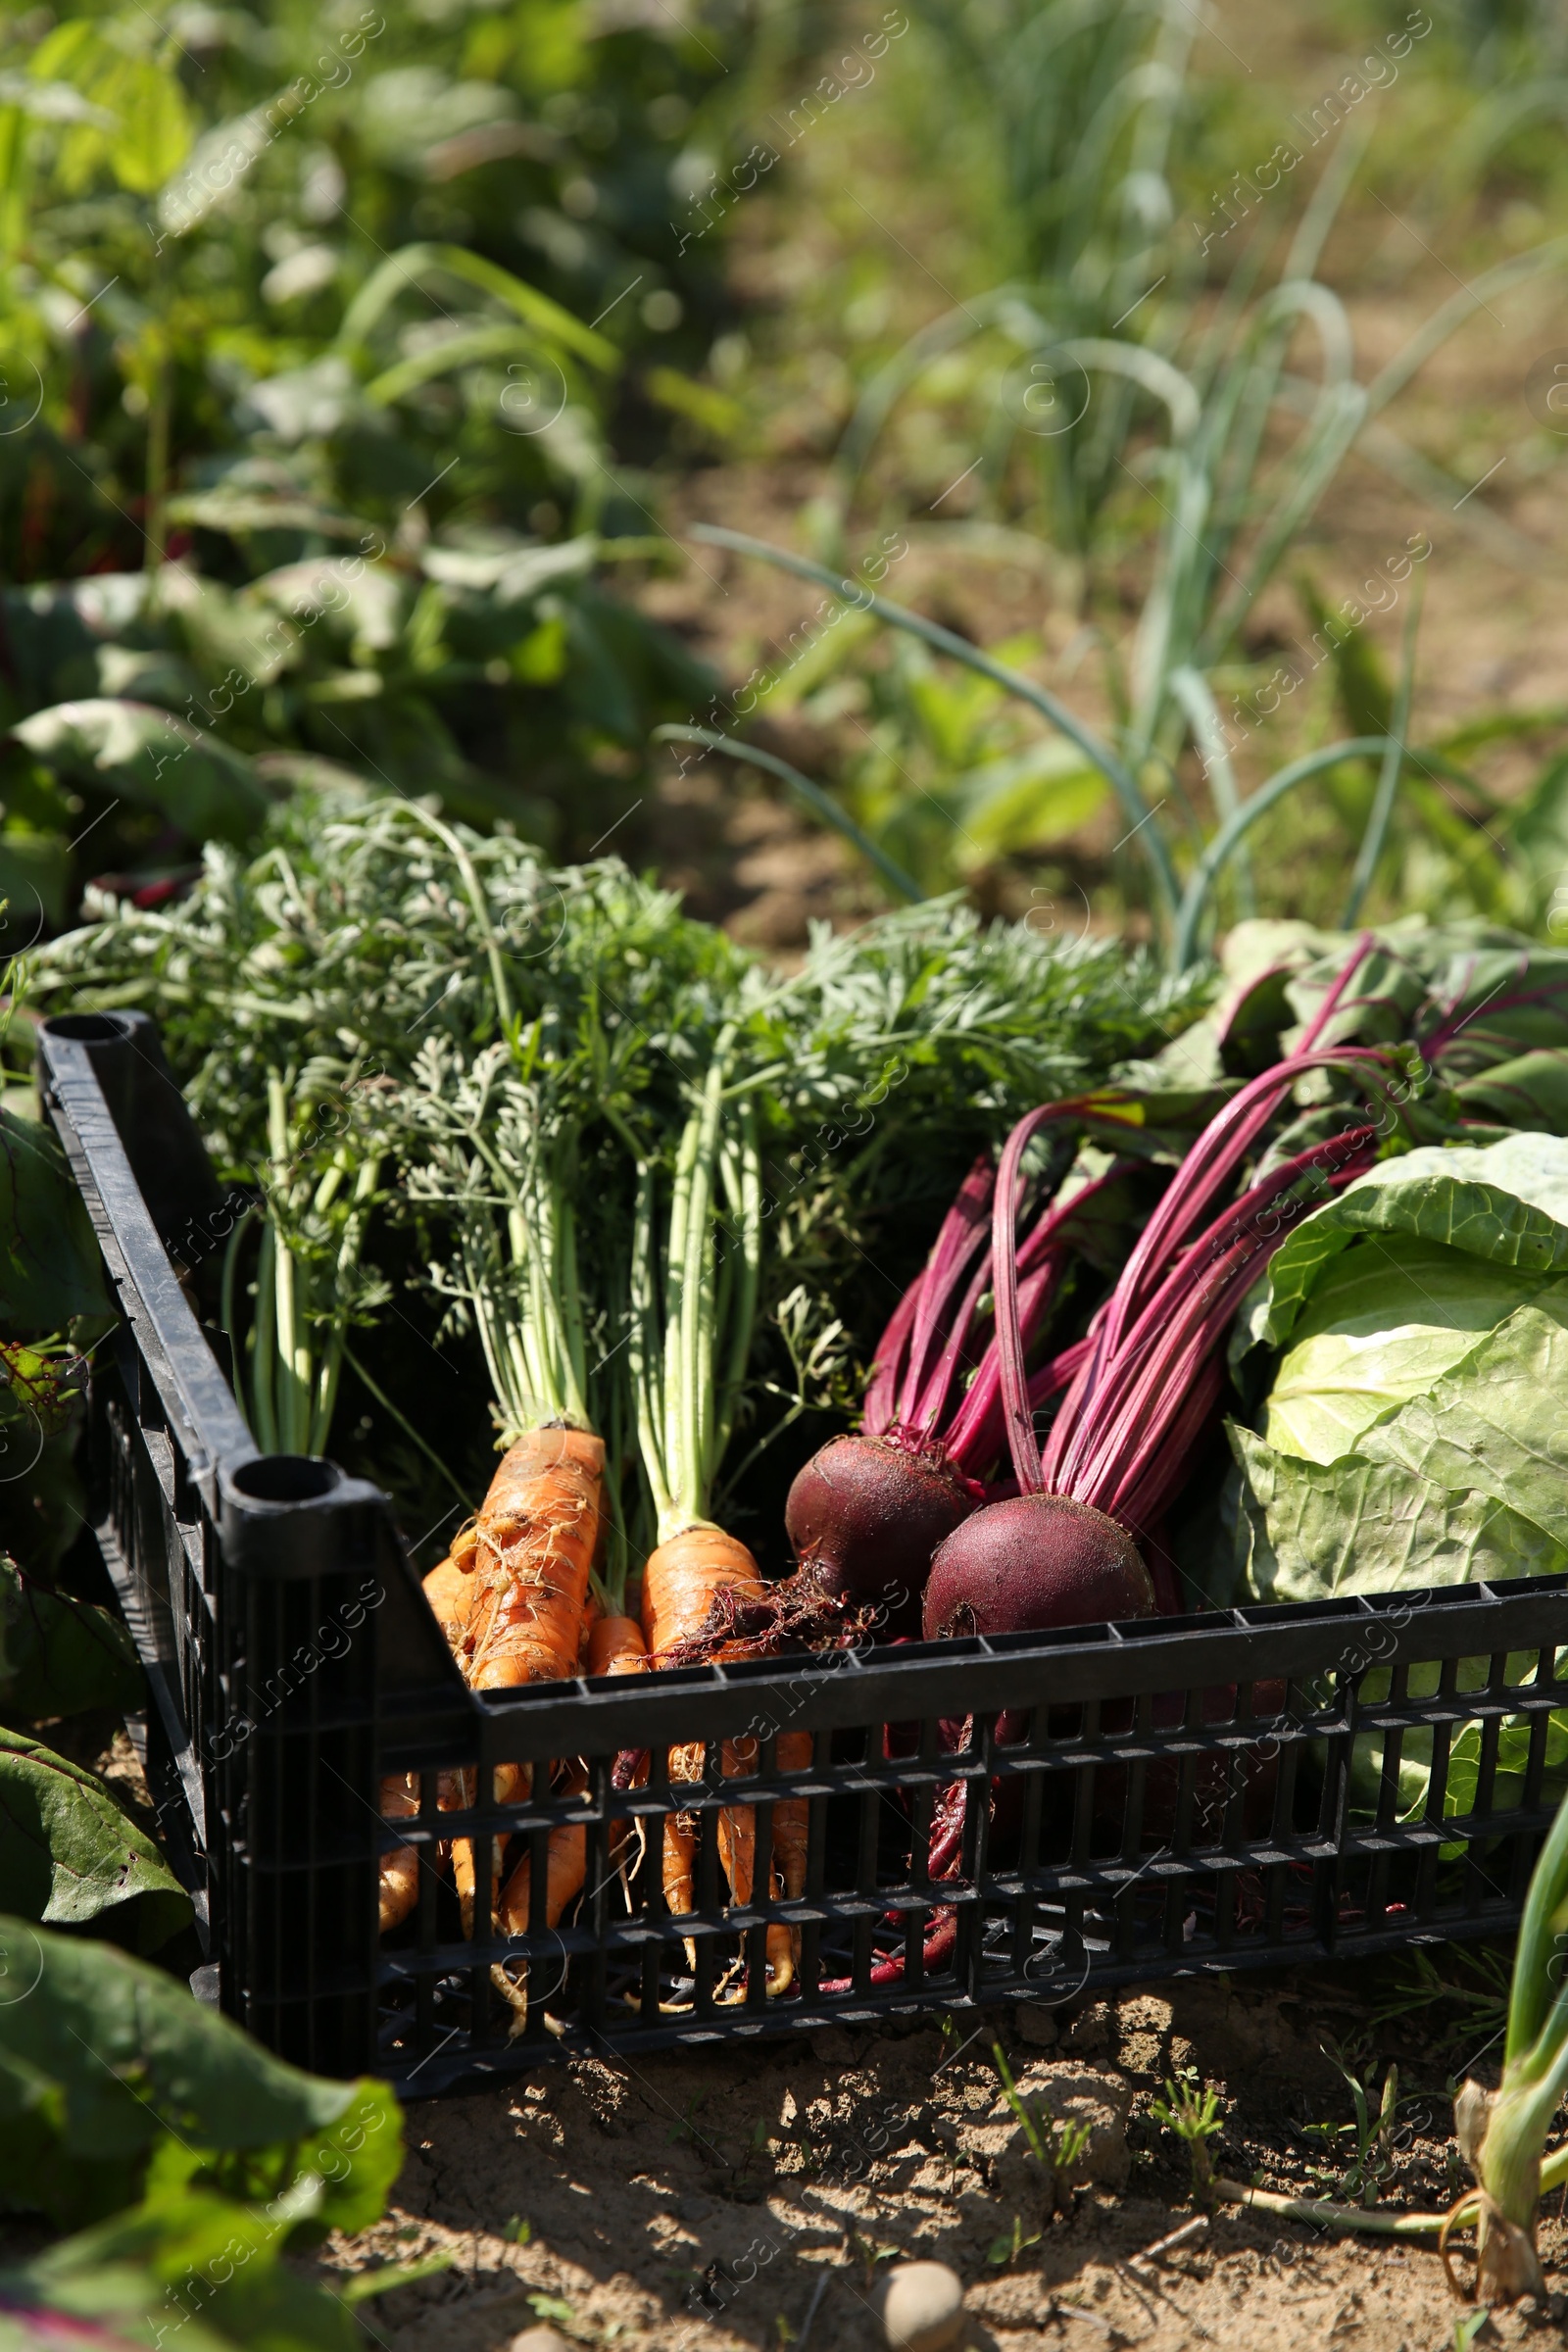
<point x="1192" y="2110"/>
<point x="60" y="1655"/>
<point x="1056" y="2146"/>
<point x="205" y="2265"/>
<point x="551" y="2308"/>
<point x="70" y="1857"/>
<point x="1472" y="1979"/>
<point x="113" y="2079"/>
<point x="1371" y="2162"/>
<point x="1005" y="2250"/>
<point x="252" y="405"/>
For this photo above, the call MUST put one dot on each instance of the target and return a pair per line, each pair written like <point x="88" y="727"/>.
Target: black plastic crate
<point x="1170" y="1796"/>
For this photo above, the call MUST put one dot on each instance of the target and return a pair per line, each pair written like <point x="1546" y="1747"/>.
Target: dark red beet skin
<point x="864" y="1517"/>
<point x="1036" y="1561"/>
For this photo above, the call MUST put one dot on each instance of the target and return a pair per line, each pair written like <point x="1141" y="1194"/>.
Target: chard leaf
<point x="59" y="1655"/>
<point x="68" y="1856"/>
<point x="209" y="791"/>
<point x="1493" y="1002"/>
<point x="1531" y="1091"/>
<point x="110" y="2075"/>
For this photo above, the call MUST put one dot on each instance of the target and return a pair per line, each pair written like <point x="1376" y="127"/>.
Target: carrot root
<point x="536" y="1536"/>
<point x="615" y="1645"/>
<point x="684" y="1579"/>
<point x="400" y="1869"/>
<point x="792" y="1821"/>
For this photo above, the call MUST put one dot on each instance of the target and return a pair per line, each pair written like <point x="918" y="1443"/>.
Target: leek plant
<point x="1502" y="2133"/>
<point x="1251" y="435"/>
<point x="1072" y="114"/>
<point x="1178" y="913"/>
<point x="1231" y="516"/>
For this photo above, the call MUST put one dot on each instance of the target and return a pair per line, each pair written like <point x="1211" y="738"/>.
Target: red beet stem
<point x="930" y="1409"/>
<point x="1154" y="1480"/>
<point x="975" y="1434"/>
<point x="1130" y="1419"/>
<point x="1208" y="1169"/>
<point x="962" y="1234"/>
<point x="930" y="1341"/>
<point x="1312" y="1035"/>
<point x="882" y="1394"/>
<point x="1017" y="1420"/>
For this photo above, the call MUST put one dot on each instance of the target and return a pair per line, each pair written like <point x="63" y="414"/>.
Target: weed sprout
<point x="1193" y="2113"/>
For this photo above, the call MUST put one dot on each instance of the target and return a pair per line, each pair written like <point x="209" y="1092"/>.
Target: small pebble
<point x="921" y="2304"/>
<point x="539" y="2339"/>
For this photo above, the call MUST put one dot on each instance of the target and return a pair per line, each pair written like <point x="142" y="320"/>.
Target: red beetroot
<point x="1037" y="1561"/>
<point x="1063" y="1552"/>
<point x="866" y="1513"/>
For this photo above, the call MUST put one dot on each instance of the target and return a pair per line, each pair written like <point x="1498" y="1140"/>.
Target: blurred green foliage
<point x="324" y="426"/>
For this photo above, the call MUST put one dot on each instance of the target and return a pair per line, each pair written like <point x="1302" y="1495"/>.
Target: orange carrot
<point x="400" y="1869"/>
<point x="449" y="1590"/>
<point x="697" y="1246"/>
<point x="537" y="1535"/>
<point x="534" y="1543"/>
<point x="685" y="1577"/>
<point x="566" y="1866"/>
<point x="615" y="1645"/>
<point x="681" y="1584"/>
<point x="792" y="1819"/>
<point x="791" y="1814"/>
<point x="681" y="1581"/>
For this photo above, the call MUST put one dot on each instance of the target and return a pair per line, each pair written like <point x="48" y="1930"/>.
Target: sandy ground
<point x="692" y="2201"/>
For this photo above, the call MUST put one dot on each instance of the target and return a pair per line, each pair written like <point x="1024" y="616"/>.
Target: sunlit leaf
<point x="1027" y="801"/>
<point x="155" y="130"/>
<point x="59" y="1655"/>
<point x="69" y="1856"/>
<point x="211" y="791"/>
<point x="110" y="2073"/>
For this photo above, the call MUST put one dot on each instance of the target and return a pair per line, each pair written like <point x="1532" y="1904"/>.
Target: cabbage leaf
<point x="1416" y="1431"/>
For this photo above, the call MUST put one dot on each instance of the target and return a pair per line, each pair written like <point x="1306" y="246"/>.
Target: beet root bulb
<point x="1034" y="1562"/>
<point x="865" y="1514"/>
